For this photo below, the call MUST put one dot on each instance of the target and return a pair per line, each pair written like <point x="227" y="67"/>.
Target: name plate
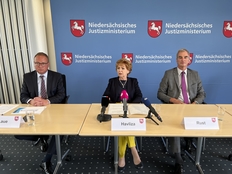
<point x="199" y="123"/>
<point x="128" y="124"/>
<point x="10" y="121"/>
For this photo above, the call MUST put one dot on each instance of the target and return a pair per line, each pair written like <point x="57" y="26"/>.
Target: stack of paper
<point x="5" y="108"/>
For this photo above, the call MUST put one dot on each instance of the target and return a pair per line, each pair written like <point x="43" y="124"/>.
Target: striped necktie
<point x="43" y="92"/>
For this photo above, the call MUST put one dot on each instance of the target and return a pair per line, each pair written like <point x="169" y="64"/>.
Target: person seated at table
<point x="42" y="91"/>
<point x="113" y="91"/>
<point x="171" y="90"/>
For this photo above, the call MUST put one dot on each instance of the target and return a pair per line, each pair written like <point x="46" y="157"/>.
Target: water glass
<point x="30" y="117"/>
<point x="158" y="108"/>
<point x="221" y="112"/>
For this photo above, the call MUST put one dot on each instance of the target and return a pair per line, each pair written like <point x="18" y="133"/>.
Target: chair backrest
<point x="66" y="96"/>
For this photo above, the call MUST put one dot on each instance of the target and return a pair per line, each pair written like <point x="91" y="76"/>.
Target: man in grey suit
<point x="41" y="88"/>
<point x="170" y="91"/>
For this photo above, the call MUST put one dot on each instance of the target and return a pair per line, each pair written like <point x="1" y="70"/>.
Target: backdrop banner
<point x="90" y="36"/>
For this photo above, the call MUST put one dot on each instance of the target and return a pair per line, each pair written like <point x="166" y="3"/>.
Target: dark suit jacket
<point x="55" y="87"/>
<point x="170" y="87"/>
<point x="114" y="90"/>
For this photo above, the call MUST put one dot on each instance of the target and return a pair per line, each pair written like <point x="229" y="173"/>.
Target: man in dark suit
<point x="170" y="91"/>
<point x="42" y="91"/>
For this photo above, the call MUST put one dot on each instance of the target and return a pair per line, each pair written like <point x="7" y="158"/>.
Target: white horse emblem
<point x="228" y="27"/>
<point x="76" y="27"/>
<point x="153" y="27"/>
<point x="67" y="58"/>
<point x="127" y="58"/>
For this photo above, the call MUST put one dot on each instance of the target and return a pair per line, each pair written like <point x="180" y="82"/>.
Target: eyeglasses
<point x="40" y="64"/>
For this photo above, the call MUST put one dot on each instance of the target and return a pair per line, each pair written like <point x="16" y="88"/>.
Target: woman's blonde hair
<point x="125" y="62"/>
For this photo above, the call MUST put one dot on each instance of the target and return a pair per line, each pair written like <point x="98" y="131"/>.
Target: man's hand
<point x="176" y="101"/>
<point x="38" y="101"/>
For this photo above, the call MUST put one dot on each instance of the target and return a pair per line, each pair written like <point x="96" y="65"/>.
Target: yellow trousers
<point x="123" y="142"/>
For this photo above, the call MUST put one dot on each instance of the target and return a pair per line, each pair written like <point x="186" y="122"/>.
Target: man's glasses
<point x="40" y="64"/>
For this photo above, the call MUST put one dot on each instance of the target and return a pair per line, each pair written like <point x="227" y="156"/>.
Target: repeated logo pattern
<point x="77" y="27"/>
<point x="154" y="28"/>
<point x="66" y="58"/>
<point x="227" y="29"/>
<point x="191" y="58"/>
<point x="128" y="56"/>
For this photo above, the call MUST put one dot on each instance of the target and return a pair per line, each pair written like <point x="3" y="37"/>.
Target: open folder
<point x="115" y="109"/>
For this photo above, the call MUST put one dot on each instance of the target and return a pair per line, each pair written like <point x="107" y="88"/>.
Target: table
<point x="172" y="125"/>
<point x="56" y="119"/>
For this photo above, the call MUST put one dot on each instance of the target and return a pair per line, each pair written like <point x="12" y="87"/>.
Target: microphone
<point x="124" y="97"/>
<point x="153" y="111"/>
<point x="104" y="103"/>
<point x="102" y="116"/>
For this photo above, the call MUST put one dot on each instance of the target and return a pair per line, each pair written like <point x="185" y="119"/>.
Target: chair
<point x="65" y="101"/>
<point x="165" y="142"/>
<point x="1" y="156"/>
<point x="230" y="157"/>
<point x="106" y="144"/>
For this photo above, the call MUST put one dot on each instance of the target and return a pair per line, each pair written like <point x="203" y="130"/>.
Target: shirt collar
<point x="45" y="75"/>
<point x="180" y="71"/>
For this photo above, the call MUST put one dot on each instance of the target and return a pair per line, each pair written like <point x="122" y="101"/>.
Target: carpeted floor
<point x="88" y="157"/>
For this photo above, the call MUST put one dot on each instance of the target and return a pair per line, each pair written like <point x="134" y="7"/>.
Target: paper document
<point x="115" y="109"/>
<point x="37" y="110"/>
<point x="5" y="108"/>
<point x="132" y="109"/>
<point x="138" y="109"/>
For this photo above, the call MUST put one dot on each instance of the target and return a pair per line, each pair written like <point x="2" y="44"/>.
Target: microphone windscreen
<point x="146" y="102"/>
<point x="124" y="95"/>
<point x="105" y="101"/>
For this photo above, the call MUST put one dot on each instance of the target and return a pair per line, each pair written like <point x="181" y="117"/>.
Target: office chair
<point x="194" y="145"/>
<point x="65" y="101"/>
<point x="107" y="144"/>
<point x="230" y="157"/>
<point x="165" y="142"/>
<point x="1" y="156"/>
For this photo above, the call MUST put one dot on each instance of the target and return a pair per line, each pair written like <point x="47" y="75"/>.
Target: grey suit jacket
<point x="170" y="87"/>
<point x="55" y="87"/>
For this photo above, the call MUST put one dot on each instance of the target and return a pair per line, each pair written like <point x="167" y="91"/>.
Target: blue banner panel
<point x="90" y="36"/>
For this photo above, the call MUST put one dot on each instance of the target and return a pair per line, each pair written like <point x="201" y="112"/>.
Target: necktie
<point x="43" y="92"/>
<point x="183" y="88"/>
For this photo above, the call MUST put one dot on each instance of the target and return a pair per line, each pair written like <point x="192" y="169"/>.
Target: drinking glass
<point x="221" y="112"/>
<point x="30" y="117"/>
<point x="158" y="108"/>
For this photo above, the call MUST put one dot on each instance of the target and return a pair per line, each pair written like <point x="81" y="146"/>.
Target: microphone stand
<point x="150" y="117"/>
<point x="125" y="114"/>
<point x="125" y="108"/>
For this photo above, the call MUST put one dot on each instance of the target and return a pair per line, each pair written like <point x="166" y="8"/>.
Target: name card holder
<point x="200" y="123"/>
<point x="128" y="124"/>
<point x="10" y="121"/>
